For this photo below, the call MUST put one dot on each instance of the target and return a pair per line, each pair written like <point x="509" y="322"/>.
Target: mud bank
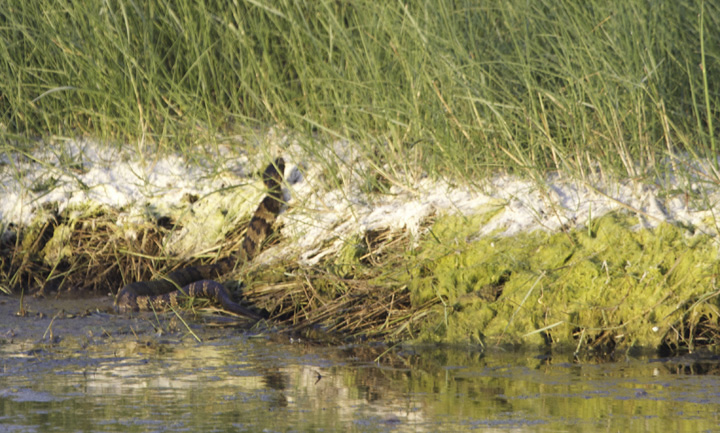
<point x="35" y="324"/>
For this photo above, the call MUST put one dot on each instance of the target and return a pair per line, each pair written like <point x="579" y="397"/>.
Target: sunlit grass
<point x="469" y="88"/>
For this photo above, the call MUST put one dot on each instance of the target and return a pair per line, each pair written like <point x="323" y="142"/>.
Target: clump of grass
<point x="82" y="249"/>
<point x="356" y="295"/>
<point x="464" y="88"/>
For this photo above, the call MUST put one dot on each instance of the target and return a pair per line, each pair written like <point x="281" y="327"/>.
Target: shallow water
<point x="236" y="381"/>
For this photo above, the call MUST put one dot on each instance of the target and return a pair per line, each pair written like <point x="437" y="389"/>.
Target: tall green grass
<point x="465" y="87"/>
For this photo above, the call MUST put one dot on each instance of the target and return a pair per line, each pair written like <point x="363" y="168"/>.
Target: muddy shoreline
<point x="92" y="320"/>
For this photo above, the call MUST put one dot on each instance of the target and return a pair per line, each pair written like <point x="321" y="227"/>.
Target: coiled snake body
<point x="199" y="281"/>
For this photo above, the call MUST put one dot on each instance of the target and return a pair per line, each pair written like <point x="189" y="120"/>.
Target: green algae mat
<point x="610" y="284"/>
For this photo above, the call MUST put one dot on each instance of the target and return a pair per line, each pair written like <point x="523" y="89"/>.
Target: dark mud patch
<point x="35" y="322"/>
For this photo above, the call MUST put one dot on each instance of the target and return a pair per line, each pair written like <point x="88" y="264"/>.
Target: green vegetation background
<point x="471" y="86"/>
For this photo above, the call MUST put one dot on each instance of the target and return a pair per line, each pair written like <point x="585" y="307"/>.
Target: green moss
<point x="207" y="222"/>
<point x="58" y="247"/>
<point x="47" y="237"/>
<point x="611" y="284"/>
<point x="347" y="261"/>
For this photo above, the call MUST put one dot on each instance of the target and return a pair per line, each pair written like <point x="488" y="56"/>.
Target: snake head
<point x="273" y="174"/>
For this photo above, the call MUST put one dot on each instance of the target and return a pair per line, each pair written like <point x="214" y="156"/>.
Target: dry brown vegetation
<point x="90" y="255"/>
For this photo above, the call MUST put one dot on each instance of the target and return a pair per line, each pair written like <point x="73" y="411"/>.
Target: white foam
<point x="321" y="217"/>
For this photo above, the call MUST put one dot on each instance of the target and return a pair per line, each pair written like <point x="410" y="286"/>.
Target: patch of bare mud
<point x="92" y="321"/>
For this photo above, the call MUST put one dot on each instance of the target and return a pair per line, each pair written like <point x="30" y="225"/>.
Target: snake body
<point x="199" y="281"/>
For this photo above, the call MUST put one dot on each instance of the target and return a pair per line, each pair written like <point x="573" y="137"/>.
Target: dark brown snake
<point x="199" y="281"/>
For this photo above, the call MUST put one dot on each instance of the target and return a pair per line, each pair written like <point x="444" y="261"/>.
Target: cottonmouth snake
<point x="199" y="281"/>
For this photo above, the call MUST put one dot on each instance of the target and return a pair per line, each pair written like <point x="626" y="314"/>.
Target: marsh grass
<point x="469" y="88"/>
<point x="58" y="253"/>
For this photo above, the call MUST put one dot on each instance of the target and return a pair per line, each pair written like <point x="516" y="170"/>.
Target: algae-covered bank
<point x="609" y="284"/>
<point x="564" y="263"/>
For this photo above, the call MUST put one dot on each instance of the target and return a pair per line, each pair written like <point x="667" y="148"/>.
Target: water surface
<point x="154" y="380"/>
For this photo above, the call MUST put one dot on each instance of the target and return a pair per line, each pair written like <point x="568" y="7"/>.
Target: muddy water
<point x="66" y="366"/>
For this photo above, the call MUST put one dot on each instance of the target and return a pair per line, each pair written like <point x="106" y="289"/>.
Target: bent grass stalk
<point x="519" y="307"/>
